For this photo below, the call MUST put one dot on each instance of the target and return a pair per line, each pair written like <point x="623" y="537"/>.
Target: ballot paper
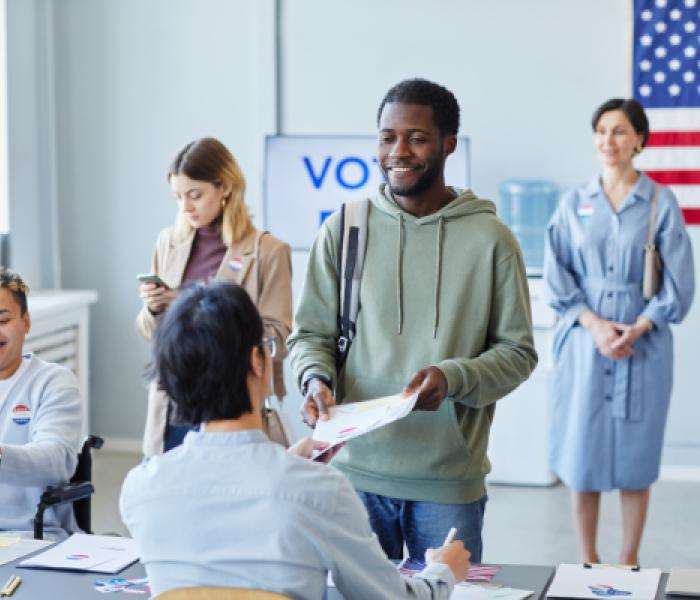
<point x="20" y="547"/>
<point x="604" y="581"/>
<point x="82" y="552"/>
<point x="349" y="421"/>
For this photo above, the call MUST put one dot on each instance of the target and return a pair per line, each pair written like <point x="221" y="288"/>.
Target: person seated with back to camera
<point x="40" y="422"/>
<point x="230" y="508"/>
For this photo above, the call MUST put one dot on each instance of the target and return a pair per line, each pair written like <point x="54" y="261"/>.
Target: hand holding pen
<point x="453" y="554"/>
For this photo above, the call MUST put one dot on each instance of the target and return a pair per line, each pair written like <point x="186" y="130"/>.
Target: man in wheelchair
<point x="40" y="422"/>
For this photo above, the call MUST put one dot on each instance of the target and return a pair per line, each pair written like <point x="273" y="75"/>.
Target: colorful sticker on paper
<point x="607" y="591"/>
<point x="236" y="264"/>
<point x="21" y="414"/>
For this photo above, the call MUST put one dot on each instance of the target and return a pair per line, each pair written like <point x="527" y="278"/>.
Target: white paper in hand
<point x="349" y="421"/>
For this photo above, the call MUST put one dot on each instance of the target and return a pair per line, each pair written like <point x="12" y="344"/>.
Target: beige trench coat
<point x="265" y="273"/>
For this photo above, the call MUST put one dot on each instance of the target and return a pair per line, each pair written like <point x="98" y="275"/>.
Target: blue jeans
<point x="423" y="525"/>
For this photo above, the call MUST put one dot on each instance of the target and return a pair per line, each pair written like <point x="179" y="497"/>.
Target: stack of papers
<point x="684" y="582"/>
<point x="82" y="552"/>
<point x="604" y="581"/>
<point x="353" y="420"/>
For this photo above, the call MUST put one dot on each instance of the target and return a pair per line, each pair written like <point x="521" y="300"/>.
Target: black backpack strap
<point x="351" y="253"/>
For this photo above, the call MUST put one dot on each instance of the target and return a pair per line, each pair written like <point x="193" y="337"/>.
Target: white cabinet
<point x="518" y="444"/>
<point x="59" y="333"/>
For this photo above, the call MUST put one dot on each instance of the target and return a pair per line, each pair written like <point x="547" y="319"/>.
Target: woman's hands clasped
<point x="613" y="340"/>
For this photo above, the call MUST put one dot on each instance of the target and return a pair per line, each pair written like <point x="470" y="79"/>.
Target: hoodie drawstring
<point x="399" y="276"/>
<point x="438" y="274"/>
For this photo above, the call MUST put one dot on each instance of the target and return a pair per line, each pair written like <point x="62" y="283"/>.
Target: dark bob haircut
<point x="201" y="352"/>
<point x="632" y="109"/>
<point x="426" y="93"/>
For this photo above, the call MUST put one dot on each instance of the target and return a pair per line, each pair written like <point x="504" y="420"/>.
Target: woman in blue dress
<point x="613" y="350"/>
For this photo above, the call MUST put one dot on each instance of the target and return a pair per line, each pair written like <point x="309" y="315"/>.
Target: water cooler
<point x="518" y="444"/>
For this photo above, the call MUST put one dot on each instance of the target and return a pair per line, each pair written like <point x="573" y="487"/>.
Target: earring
<point x="637" y="150"/>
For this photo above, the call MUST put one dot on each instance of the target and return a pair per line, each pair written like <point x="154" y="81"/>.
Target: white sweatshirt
<point x="40" y="431"/>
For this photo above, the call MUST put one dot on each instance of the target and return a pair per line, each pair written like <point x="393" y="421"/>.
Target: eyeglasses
<point x="271" y="342"/>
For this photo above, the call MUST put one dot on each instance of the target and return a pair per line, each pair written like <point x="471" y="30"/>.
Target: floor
<point x="524" y="525"/>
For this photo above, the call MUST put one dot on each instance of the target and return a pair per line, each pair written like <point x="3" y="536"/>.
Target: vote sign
<point x="309" y="177"/>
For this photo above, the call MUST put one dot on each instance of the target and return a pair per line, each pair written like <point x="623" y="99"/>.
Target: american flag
<point x="666" y="80"/>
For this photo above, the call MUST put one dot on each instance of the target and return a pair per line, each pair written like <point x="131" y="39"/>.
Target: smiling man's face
<point x="14" y="326"/>
<point x="411" y="150"/>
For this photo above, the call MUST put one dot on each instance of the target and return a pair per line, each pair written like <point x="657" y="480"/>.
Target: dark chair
<point x="77" y="491"/>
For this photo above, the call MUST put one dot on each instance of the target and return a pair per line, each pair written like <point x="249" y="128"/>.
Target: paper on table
<point x="475" y="591"/>
<point x="352" y="420"/>
<point x="21" y="548"/>
<point x="577" y="581"/>
<point x="468" y="591"/>
<point x="82" y="552"/>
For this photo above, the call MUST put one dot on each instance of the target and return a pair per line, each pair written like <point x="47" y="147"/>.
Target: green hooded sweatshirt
<point x="446" y="290"/>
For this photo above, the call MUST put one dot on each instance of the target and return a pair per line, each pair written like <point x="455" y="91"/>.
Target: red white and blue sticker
<point x="21" y="414"/>
<point x="585" y="210"/>
<point x="236" y="264"/>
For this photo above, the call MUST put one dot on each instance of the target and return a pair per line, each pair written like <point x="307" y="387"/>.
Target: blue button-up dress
<point x="608" y="416"/>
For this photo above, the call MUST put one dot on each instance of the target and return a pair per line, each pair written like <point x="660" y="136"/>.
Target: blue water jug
<point x="526" y="205"/>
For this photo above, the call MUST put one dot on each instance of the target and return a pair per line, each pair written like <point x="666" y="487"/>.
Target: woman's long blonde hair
<point x="207" y="159"/>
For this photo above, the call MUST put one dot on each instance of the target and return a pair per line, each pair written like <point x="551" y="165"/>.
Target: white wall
<point x="136" y="80"/>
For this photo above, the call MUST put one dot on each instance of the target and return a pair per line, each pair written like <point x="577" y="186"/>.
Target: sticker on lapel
<point x="236" y="264"/>
<point x="585" y="210"/>
<point x="21" y="414"/>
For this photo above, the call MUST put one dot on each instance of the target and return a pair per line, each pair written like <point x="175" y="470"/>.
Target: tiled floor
<point x="523" y="525"/>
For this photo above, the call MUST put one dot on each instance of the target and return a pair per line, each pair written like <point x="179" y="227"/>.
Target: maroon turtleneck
<point x="206" y="255"/>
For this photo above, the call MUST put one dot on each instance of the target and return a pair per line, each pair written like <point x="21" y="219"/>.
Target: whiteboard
<point x="308" y="177"/>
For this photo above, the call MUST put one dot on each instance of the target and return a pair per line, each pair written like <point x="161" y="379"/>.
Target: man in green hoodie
<point x="444" y="309"/>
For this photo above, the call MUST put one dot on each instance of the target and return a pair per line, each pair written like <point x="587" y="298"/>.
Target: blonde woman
<point x="213" y="238"/>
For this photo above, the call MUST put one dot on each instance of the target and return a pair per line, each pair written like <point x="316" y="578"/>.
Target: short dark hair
<point x="633" y="111"/>
<point x="13" y="283"/>
<point x="201" y="352"/>
<point x="426" y="93"/>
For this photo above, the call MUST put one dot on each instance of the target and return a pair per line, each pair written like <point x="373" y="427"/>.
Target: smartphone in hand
<point x="152" y="278"/>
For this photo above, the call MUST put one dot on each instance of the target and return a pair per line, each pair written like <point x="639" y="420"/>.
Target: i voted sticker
<point x="584" y="210"/>
<point x="21" y="414"/>
<point x="236" y="264"/>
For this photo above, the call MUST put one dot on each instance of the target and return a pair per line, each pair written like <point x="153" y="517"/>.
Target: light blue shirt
<point x="236" y="510"/>
<point x="40" y="430"/>
<point x="608" y="416"/>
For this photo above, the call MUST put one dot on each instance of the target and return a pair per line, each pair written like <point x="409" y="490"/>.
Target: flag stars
<point x="689" y="27"/>
<point x="690" y="52"/>
<point x="645" y="90"/>
<point x="675" y="39"/>
<point x="674" y="64"/>
<point x="689" y="3"/>
<point x="660" y="27"/>
<point x="660" y="52"/>
<point x="645" y="65"/>
<point x="660" y="4"/>
<point x="675" y="14"/>
<point x="659" y="77"/>
<point x="674" y="89"/>
<point x="689" y="77"/>
<point x="645" y="40"/>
